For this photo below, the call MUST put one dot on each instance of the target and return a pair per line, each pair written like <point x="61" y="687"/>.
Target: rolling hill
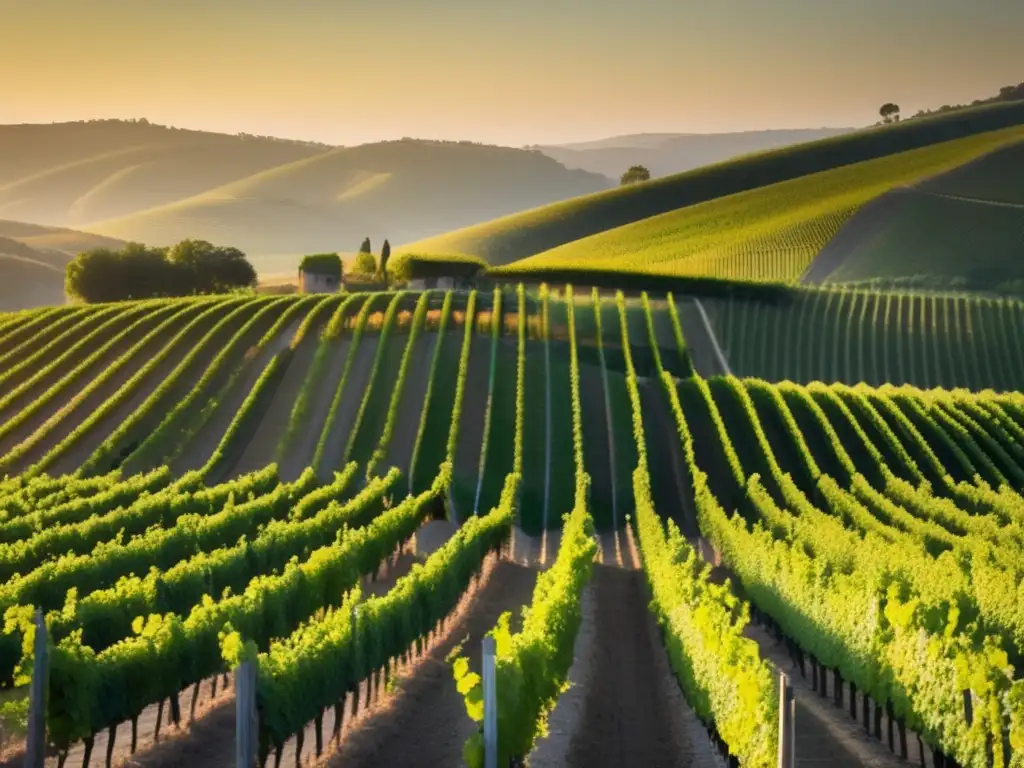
<point x="774" y="233"/>
<point x="518" y="236"/>
<point x="668" y="153"/>
<point x="137" y="181"/>
<point x="29" y="277"/>
<point x="32" y="262"/>
<point x="962" y="229"/>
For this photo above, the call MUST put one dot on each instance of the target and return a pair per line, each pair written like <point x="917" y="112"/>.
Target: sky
<point x="513" y="72"/>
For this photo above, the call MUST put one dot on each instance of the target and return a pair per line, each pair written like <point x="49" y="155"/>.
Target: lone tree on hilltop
<point x="366" y="247"/>
<point x="890" y="113"/>
<point x="635" y="175"/>
<point x="385" y="254"/>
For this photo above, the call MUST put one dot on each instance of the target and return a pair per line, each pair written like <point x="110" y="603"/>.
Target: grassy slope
<point x="963" y="229"/>
<point x="770" y="233"/>
<point x="996" y="177"/>
<point x="515" y="237"/>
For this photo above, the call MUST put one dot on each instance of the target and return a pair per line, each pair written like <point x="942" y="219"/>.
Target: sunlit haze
<point x="533" y="71"/>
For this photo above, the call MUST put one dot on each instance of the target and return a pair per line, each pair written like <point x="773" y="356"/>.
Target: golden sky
<point x="526" y="71"/>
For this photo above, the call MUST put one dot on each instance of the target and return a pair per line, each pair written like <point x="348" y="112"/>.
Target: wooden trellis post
<point x="35" y="741"/>
<point x="246" y="723"/>
<point x="490" y="705"/>
<point x="787" y="724"/>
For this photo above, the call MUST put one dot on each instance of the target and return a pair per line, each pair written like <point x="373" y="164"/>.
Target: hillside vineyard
<point x="194" y="484"/>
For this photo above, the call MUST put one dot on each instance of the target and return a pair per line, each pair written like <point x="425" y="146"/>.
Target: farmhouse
<point x="320" y="273"/>
<point x="442" y="272"/>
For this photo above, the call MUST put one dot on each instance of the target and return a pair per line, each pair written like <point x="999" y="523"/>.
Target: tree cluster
<point x="1006" y="93"/>
<point x="366" y="263"/>
<point x="137" y="271"/>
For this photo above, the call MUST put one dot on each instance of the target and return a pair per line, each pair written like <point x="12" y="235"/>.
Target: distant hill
<point x="667" y="153"/>
<point x="61" y="240"/>
<point x="28" y="277"/>
<point x="32" y="262"/>
<point x="541" y="229"/>
<point x="137" y="181"/>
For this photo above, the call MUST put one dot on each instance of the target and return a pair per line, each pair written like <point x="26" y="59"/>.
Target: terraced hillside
<point x="961" y="229"/>
<point x="775" y="232"/>
<point x="508" y="239"/>
<point x="501" y="440"/>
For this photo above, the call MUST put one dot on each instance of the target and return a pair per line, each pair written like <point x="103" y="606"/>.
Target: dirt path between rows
<point x="262" y="448"/>
<point x="825" y="733"/>
<point x="66" y="391"/>
<point x="208" y="741"/>
<point x="466" y="467"/>
<point x="700" y="341"/>
<point x="205" y="442"/>
<point x="24" y="360"/>
<point x="424" y="724"/>
<point x="300" y="454"/>
<point x="55" y="378"/>
<point x="83" y="410"/>
<point x="85" y="447"/>
<point x="632" y="710"/>
<point x="596" y="447"/>
<point x="670" y="485"/>
<point x="348" y="409"/>
<point x="410" y="407"/>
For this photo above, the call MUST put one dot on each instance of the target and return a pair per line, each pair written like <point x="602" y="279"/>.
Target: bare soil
<point x="424" y="722"/>
<point x="205" y="442"/>
<point x="34" y="358"/>
<point x="85" y="447"/>
<point x="596" y="449"/>
<point x="61" y="391"/>
<point x="301" y="453"/>
<point x="262" y="448"/>
<point x="348" y="409"/>
<point x="698" y="340"/>
<point x="825" y="733"/>
<point x="629" y="717"/>
<point x="16" y="364"/>
<point x="669" y="482"/>
<point x="208" y="741"/>
<point x="79" y="412"/>
<point x="410" y="406"/>
<point x="471" y="426"/>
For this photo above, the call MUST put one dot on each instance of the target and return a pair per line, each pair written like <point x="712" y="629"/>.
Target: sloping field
<point x="771" y="233"/>
<point x="532" y="232"/>
<point x="962" y="229"/>
<point x="940" y="340"/>
<point x="859" y="528"/>
<point x="994" y="177"/>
